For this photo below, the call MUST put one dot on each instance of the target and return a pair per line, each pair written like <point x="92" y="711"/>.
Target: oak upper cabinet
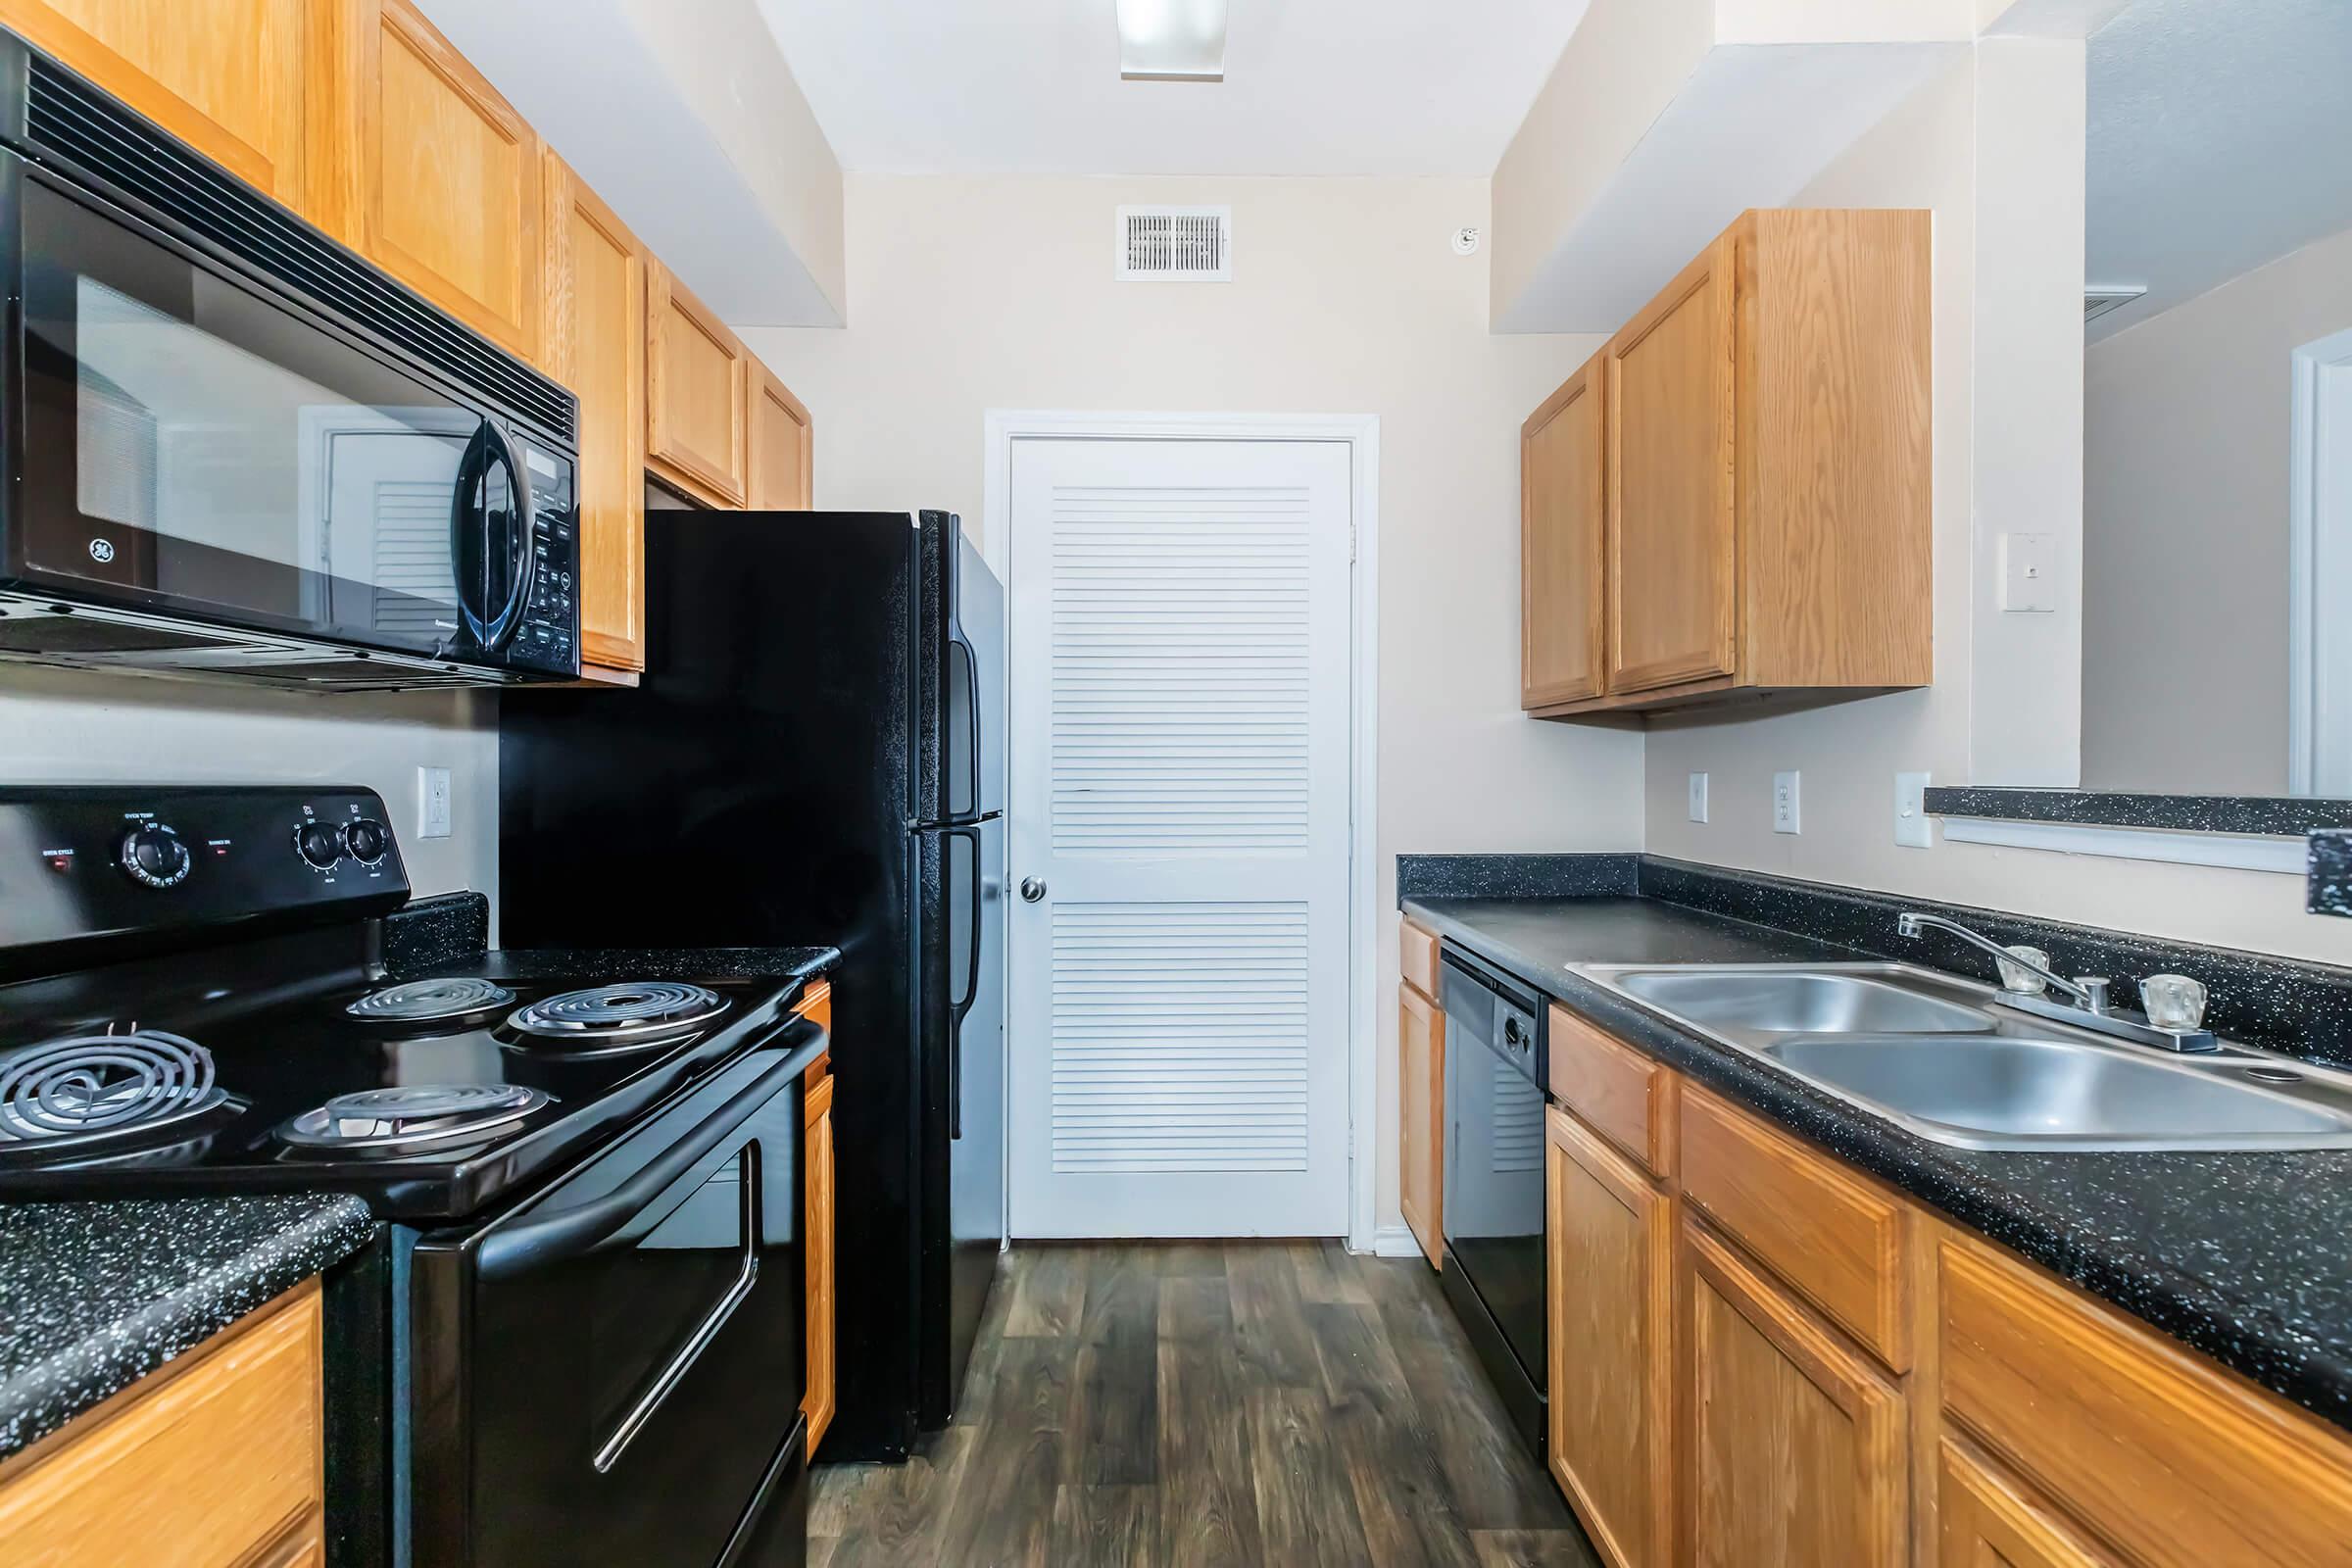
<point x="226" y="76"/>
<point x="1421" y="1091"/>
<point x="780" y="441"/>
<point x="1610" y="1235"/>
<point x="697" y="395"/>
<point x="420" y="166"/>
<point x="1763" y="469"/>
<point x="1797" y="1444"/>
<point x="593" y="332"/>
<point x="1562" y="540"/>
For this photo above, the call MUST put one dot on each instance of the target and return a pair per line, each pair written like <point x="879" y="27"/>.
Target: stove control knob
<point x="153" y="855"/>
<point x="366" y="839"/>
<point x="318" y="844"/>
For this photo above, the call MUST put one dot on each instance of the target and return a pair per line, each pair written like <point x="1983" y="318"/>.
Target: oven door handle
<point x="535" y="1242"/>
<point x="707" y="1330"/>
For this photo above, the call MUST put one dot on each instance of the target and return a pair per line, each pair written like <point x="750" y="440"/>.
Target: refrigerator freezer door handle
<point x="971" y="689"/>
<point x="971" y="989"/>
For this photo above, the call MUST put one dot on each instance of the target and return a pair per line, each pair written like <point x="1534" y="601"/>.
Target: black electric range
<point x="579" y="1337"/>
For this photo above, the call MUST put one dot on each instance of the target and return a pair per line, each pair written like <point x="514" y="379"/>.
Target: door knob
<point x="1032" y="889"/>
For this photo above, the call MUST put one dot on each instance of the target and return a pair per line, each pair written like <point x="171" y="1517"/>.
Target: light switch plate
<point x="1912" y="826"/>
<point x="1699" y="797"/>
<point x="2029" y="572"/>
<point x="1786" y="815"/>
<point x="432" y="803"/>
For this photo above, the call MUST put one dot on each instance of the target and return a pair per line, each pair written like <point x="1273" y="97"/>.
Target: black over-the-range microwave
<point x="235" y="449"/>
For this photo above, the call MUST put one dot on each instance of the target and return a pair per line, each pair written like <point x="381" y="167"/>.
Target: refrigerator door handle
<point x="962" y="1007"/>
<point x="972" y="692"/>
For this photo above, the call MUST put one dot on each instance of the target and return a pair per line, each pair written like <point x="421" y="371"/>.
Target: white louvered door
<point x="1180" y="742"/>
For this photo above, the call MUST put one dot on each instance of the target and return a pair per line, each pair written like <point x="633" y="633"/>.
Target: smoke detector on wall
<point x="1465" y="240"/>
<point x="1176" y="244"/>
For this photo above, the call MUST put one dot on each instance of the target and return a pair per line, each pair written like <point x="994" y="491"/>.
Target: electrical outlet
<point x="432" y="803"/>
<point x="1912" y="827"/>
<point x="1699" y="797"/>
<point x="2029" y="572"/>
<point x="1786" y="817"/>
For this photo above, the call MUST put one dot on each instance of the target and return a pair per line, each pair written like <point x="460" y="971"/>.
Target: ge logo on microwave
<point x="102" y="550"/>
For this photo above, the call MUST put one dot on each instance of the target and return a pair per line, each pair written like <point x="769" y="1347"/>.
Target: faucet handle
<point x="2094" y="988"/>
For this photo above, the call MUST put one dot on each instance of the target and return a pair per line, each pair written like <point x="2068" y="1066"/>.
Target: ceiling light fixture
<point x="1171" y="40"/>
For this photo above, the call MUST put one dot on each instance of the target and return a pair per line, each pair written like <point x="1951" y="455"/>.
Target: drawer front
<point x="209" y="1467"/>
<point x="1417" y="959"/>
<point x="1618" y="1092"/>
<point x="1823" y="1230"/>
<point x="2178" y="1462"/>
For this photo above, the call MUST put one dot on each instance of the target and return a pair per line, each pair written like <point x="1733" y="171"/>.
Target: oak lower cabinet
<point x="212" y="1460"/>
<point x="1421" y="1093"/>
<point x="420" y="166"/>
<point x="1732" y="499"/>
<point x="1610" y="1298"/>
<point x="1797" y="1442"/>
<point x="1986" y="1520"/>
<point x="820" y="1251"/>
<point x="225" y="77"/>
<point x="593" y="335"/>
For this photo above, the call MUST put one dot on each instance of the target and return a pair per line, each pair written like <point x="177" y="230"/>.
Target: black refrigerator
<point x="816" y="755"/>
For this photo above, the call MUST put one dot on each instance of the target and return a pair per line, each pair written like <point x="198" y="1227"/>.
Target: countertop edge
<point x="84" y="1371"/>
<point x="2239" y="1334"/>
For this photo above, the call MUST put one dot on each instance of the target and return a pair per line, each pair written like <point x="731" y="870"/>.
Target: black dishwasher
<point x="1495" y="1061"/>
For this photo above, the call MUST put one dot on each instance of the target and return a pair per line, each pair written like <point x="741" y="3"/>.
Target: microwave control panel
<point x="547" y="637"/>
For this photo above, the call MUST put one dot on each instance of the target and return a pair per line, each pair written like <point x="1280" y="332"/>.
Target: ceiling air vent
<point x="1176" y="244"/>
<point x="2097" y="302"/>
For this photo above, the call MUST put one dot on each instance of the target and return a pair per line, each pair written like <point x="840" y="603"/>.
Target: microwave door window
<point x="199" y="447"/>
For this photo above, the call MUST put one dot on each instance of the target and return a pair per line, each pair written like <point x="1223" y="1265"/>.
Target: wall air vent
<point x="1176" y="244"/>
<point x="2097" y="302"/>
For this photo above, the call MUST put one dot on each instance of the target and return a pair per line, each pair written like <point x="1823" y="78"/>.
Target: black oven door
<point x="613" y="1372"/>
<point x="187" y="442"/>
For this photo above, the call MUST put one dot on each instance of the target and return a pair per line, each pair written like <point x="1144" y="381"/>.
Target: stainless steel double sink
<point x="1942" y="1057"/>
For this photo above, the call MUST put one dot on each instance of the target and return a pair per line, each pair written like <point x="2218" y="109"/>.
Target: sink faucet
<point x="2088" y="993"/>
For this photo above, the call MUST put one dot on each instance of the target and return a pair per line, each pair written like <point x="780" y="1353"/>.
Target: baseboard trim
<point x="1396" y="1240"/>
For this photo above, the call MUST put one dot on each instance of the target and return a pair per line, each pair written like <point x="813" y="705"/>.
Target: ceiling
<point x="2217" y="142"/>
<point x="1032" y="86"/>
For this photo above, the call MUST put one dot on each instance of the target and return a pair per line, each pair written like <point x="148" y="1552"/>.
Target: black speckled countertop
<point x="95" y="1295"/>
<point x="2242" y="1257"/>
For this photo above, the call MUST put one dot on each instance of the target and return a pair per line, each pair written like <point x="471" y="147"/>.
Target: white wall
<point x="60" y="727"/>
<point x="979" y="294"/>
<point x="1978" y="146"/>
<point x="2186" y="502"/>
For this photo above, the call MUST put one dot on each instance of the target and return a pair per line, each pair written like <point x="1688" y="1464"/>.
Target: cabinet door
<point x="441" y="174"/>
<point x="1668" y="404"/>
<point x="223" y="75"/>
<point x="1562" y="556"/>
<point x="818" y="1266"/>
<point x="1421" y="1099"/>
<point x="781" y="479"/>
<point x="595" y="345"/>
<point x="1796" y="1446"/>
<point x="1987" y="1521"/>
<point x="1609" y="1286"/>
<point x="698" y="394"/>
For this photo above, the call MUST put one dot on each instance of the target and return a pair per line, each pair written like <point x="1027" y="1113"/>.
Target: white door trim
<point x="2304" y="560"/>
<point x="1000" y="428"/>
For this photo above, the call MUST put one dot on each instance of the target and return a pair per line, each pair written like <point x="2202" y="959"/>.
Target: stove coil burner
<point x="410" y="1115"/>
<point x="608" y="1014"/>
<point x="84" y="1089"/>
<point x="421" y="1001"/>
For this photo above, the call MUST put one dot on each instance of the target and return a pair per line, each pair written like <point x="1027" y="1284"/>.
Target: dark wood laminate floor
<point x="1241" y="1403"/>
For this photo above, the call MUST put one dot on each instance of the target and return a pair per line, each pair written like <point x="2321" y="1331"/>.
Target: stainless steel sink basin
<point x="1942" y="1057"/>
<point x="1799" y="1001"/>
<point x="2010" y="1092"/>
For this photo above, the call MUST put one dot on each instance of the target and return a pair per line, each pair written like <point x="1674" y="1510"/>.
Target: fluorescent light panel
<point x="1172" y="41"/>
